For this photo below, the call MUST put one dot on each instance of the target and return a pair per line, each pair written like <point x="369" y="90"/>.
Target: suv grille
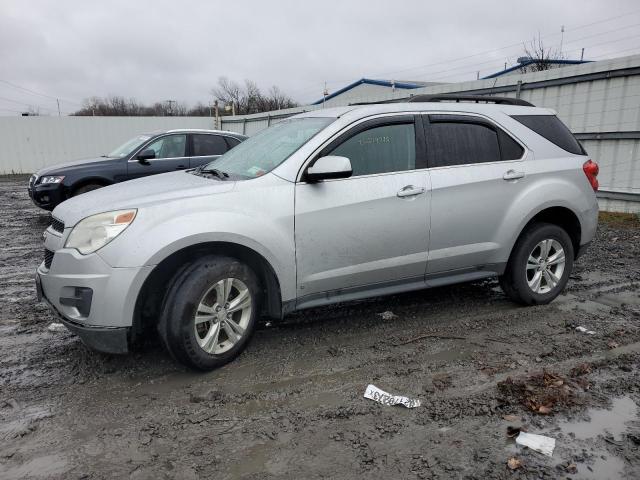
<point x="57" y="225"/>
<point x="48" y="258"/>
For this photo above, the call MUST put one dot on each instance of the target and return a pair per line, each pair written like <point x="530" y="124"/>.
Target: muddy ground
<point x="292" y="405"/>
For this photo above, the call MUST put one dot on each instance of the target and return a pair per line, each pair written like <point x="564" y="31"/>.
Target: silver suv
<point x="324" y="207"/>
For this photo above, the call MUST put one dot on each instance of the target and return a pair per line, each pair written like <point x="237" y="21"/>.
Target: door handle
<point x="410" y="191"/>
<point x="512" y="175"/>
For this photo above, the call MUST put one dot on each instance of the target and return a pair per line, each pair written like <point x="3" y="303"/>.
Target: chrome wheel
<point x="545" y="266"/>
<point x="222" y="316"/>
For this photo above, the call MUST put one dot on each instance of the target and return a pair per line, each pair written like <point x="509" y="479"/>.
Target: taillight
<point x="591" y="170"/>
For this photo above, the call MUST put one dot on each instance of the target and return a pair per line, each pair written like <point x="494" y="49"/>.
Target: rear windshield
<point x="552" y="128"/>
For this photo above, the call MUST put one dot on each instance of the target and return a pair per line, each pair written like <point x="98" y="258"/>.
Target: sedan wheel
<point x="222" y="316"/>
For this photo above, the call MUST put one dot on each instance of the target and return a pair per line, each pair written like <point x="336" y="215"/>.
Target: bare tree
<point x="120" y="106"/>
<point x="245" y="98"/>
<point x="538" y="57"/>
<point x="200" y="110"/>
<point x="249" y="98"/>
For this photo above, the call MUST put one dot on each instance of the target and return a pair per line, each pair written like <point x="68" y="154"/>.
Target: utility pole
<point x="58" y="102"/>
<point x="325" y="93"/>
<point x="217" y="110"/>
<point x="582" y="54"/>
<point x="561" y="38"/>
<point x="170" y="107"/>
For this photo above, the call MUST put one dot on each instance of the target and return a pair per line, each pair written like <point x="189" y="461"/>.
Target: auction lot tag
<point x="374" y="393"/>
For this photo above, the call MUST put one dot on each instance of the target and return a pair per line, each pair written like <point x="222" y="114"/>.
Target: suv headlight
<point x="96" y="231"/>
<point x="51" y="179"/>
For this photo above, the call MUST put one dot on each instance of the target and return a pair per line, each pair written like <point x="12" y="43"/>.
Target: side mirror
<point x="145" y="155"/>
<point x="329" y="167"/>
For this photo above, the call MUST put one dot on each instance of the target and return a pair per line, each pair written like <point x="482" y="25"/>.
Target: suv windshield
<point x="266" y="150"/>
<point x="128" y="147"/>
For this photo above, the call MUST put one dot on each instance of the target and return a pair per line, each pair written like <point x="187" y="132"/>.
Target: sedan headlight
<point x="96" y="231"/>
<point x="51" y="179"/>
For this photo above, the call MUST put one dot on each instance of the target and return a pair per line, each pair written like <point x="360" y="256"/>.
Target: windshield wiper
<point x="213" y="171"/>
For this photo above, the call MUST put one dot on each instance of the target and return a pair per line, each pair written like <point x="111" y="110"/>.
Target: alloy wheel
<point x="222" y="316"/>
<point x="545" y="266"/>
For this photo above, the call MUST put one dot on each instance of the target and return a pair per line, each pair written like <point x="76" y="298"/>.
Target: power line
<point x="432" y="75"/>
<point x="32" y="105"/>
<point x="33" y="92"/>
<point x="499" y="49"/>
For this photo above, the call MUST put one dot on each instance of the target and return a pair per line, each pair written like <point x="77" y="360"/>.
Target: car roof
<point x="469" y="107"/>
<point x="203" y="130"/>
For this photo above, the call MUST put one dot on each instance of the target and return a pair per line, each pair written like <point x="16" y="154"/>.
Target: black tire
<point x="86" y="188"/>
<point x="514" y="281"/>
<point x="176" y="326"/>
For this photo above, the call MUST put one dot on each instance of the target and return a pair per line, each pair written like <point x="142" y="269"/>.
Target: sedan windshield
<point x="128" y="147"/>
<point x="266" y="150"/>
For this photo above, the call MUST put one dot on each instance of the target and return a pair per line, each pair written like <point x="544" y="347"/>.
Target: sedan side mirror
<point x="329" y="167"/>
<point x="145" y="155"/>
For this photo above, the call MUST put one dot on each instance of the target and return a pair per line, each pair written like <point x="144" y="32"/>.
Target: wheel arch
<point x="88" y="181"/>
<point x="561" y="216"/>
<point x="156" y="285"/>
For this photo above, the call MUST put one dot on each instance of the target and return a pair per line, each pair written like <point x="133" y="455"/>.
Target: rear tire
<point x="539" y="266"/>
<point x="210" y="312"/>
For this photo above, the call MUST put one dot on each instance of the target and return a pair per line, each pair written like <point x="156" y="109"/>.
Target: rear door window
<point x="460" y="140"/>
<point x="232" y="142"/>
<point x="208" y="145"/>
<point x="552" y="128"/>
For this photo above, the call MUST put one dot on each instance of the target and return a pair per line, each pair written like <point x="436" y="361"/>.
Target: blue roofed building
<point x="366" y="88"/>
<point x="528" y="64"/>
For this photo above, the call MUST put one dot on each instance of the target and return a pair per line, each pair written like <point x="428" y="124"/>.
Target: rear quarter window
<point x="552" y="128"/>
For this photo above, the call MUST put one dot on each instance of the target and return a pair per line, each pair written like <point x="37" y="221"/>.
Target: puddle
<point x="609" y="423"/>
<point x="605" y="466"/>
<point x="41" y="467"/>
<point x="447" y="356"/>
<point x="603" y="421"/>
<point x="254" y="463"/>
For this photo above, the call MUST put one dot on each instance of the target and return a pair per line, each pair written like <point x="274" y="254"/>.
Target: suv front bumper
<point x="92" y="299"/>
<point x="103" y="339"/>
<point x="47" y="196"/>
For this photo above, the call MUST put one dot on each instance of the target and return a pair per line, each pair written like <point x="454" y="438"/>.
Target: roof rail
<point x="470" y="98"/>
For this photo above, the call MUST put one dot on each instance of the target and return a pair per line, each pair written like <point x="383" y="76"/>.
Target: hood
<point x="139" y="193"/>
<point x="77" y="164"/>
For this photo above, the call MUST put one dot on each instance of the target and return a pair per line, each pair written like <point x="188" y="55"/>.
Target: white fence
<point x="30" y="143"/>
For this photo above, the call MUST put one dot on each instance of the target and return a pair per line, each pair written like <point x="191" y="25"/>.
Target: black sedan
<point x="141" y="156"/>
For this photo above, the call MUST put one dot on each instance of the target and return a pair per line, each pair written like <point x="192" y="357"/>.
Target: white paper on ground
<point x="584" y="330"/>
<point x="539" y="443"/>
<point x="56" y="327"/>
<point x="374" y="393"/>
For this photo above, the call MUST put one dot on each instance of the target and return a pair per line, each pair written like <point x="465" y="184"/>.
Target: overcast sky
<point x="156" y="50"/>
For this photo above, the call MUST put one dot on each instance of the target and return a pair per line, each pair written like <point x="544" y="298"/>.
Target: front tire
<point x="210" y="312"/>
<point x="539" y="266"/>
